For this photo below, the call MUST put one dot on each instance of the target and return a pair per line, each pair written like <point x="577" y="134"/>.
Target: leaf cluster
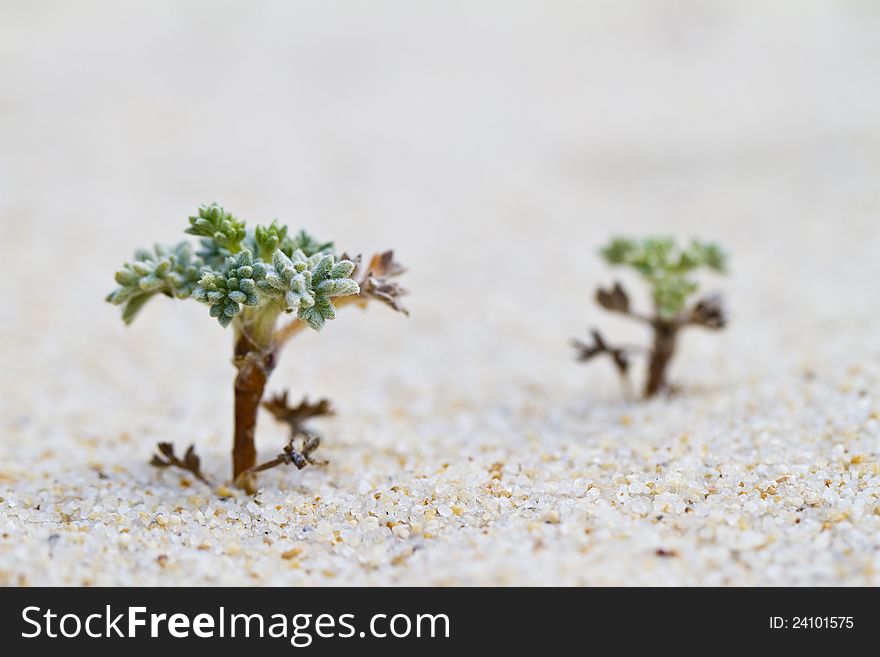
<point x="666" y="267"/>
<point x="307" y="284"/>
<point x="169" y="270"/>
<point x="227" y="290"/>
<point x="236" y="269"/>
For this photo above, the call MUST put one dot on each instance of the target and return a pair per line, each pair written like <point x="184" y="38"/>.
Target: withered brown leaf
<point x="376" y="280"/>
<point x="600" y="346"/>
<point x="298" y="452"/>
<point x="190" y="462"/>
<point x="296" y="416"/>
<point x="615" y="299"/>
<point x="709" y="313"/>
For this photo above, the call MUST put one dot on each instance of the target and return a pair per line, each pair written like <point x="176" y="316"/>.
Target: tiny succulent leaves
<point x="666" y="266"/>
<point x="274" y="237"/>
<point x="219" y="226"/>
<point x="268" y="239"/>
<point x="169" y="270"/>
<point x="306" y="284"/>
<point x="227" y="291"/>
<point x="237" y="269"/>
<point x="308" y="245"/>
<point x="222" y="235"/>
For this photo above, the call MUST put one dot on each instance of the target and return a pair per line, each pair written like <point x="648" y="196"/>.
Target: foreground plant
<point x="668" y="270"/>
<point x="251" y="280"/>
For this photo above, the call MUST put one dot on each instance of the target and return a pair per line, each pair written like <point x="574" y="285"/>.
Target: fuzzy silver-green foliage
<point x="222" y="234"/>
<point x="666" y="267"/>
<point x="307" y="284"/>
<point x="228" y="290"/>
<point x="170" y="270"/>
<point x="218" y="225"/>
<point x="268" y="239"/>
<point x="271" y="238"/>
<point x="263" y="270"/>
<point x="308" y="245"/>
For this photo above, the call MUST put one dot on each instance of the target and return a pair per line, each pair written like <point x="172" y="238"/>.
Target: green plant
<point x="251" y="280"/>
<point x="668" y="270"/>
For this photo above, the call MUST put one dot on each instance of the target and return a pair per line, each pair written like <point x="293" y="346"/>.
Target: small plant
<point x="668" y="270"/>
<point x="250" y="280"/>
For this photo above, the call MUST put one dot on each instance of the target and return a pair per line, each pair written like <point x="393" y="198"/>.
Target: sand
<point x="496" y="147"/>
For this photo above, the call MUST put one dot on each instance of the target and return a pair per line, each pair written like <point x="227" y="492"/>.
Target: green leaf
<point x="228" y="290"/>
<point x="220" y="228"/>
<point x="268" y="239"/>
<point x="172" y="271"/>
<point x="305" y="284"/>
<point x="306" y="243"/>
<point x="619" y="250"/>
<point x="133" y="307"/>
<point x="233" y="270"/>
<point x="666" y="266"/>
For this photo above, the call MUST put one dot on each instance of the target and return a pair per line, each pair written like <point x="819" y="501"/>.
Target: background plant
<point x="250" y="280"/>
<point x="668" y="270"/>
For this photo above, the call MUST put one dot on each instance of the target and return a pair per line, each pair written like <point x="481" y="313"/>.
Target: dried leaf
<point x="709" y="313"/>
<point x="190" y="462"/>
<point x="615" y="299"/>
<point x="296" y="416"/>
<point x="589" y="351"/>
<point x="376" y="280"/>
<point x="298" y="452"/>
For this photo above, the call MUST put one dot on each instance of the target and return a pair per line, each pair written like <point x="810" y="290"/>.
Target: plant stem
<point x="665" y="337"/>
<point x="257" y="347"/>
<point x="250" y="383"/>
<point x="255" y="358"/>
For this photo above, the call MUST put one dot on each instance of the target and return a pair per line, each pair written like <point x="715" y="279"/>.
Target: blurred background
<point x="494" y="145"/>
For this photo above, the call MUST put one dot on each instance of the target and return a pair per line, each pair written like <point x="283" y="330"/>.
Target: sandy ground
<point x="496" y="146"/>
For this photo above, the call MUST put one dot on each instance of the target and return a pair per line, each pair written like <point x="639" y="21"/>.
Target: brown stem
<point x="299" y="457"/>
<point x="665" y="336"/>
<point x="255" y="359"/>
<point x="254" y="369"/>
<point x="256" y="348"/>
<point x="257" y="345"/>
